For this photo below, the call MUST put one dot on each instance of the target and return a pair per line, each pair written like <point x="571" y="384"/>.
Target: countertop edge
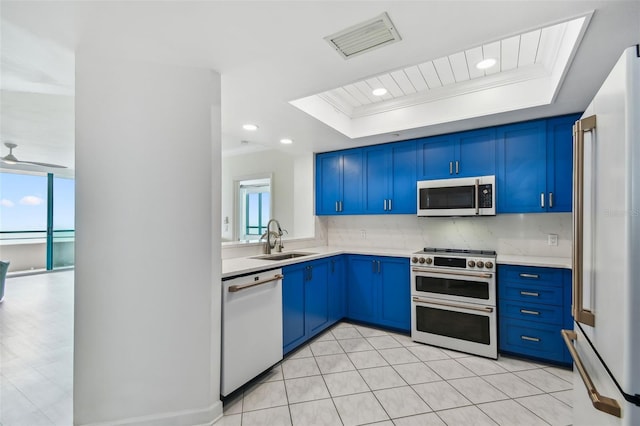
<point x="246" y="265"/>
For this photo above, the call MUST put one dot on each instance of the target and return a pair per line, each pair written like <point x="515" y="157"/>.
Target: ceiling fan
<point x="11" y="159"/>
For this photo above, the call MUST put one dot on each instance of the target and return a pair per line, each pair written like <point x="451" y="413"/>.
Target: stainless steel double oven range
<point x="453" y="300"/>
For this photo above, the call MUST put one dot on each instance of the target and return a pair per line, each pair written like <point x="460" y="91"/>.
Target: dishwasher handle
<point x="238" y="287"/>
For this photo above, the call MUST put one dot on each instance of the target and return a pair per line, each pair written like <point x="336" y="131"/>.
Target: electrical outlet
<point x="552" y="239"/>
<point x="363" y="234"/>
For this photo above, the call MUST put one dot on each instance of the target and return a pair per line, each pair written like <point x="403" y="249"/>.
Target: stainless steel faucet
<point x="277" y="242"/>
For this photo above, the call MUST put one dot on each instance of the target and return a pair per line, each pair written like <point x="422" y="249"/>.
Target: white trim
<point x="203" y="416"/>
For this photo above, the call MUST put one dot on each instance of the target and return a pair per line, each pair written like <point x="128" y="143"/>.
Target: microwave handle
<point x="477" y="200"/>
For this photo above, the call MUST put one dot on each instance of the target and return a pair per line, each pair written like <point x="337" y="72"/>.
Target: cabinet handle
<point x="389" y="204"/>
<point x="337" y="206"/>
<point x="536" y="276"/>
<point x="528" y="312"/>
<point x="378" y="266"/>
<point x="542" y="200"/>
<point x="450" y="167"/>
<point x="600" y="402"/>
<point x="530" y="339"/>
<point x="457" y="167"/>
<point x="385" y="205"/>
<point x="551" y="200"/>
<point x="373" y="266"/>
<point x="529" y="293"/>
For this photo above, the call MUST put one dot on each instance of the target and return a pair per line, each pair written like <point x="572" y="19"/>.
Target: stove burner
<point x="434" y="250"/>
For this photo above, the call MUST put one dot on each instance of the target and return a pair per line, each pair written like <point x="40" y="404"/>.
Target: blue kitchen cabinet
<point x="305" y="302"/>
<point x="390" y="179"/>
<point x="534" y="304"/>
<point x="395" y="293"/>
<point x="464" y="154"/>
<point x="339" y="182"/>
<point x="337" y="289"/>
<point x="362" y="288"/>
<point x="535" y="166"/>
<point x="293" y="309"/>
<point x="379" y="291"/>
<point x="560" y="163"/>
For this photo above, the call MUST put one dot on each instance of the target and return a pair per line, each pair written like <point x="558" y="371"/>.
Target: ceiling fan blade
<point x="36" y="163"/>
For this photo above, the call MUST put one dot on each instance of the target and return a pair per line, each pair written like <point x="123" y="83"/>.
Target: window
<point x="254" y="212"/>
<point x="37" y="209"/>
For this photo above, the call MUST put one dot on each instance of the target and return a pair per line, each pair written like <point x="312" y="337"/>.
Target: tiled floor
<point x="36" y="350"/>
<point x="355" y="375"/>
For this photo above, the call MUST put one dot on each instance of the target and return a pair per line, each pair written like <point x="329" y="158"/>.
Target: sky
<point x="23" y="202"/>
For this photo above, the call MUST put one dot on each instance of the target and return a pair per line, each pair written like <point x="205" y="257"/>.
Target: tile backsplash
<point x="514" y="234"/>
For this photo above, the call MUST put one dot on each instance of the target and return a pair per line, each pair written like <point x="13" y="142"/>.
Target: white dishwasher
<point x="251" y="327"/>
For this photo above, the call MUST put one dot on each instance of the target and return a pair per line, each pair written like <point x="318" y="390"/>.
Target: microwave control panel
<point x="485" y="196"/>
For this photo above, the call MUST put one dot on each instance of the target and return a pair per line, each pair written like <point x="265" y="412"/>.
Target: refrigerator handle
<point x="600" y="402"/>
<point x="580" y="314"/>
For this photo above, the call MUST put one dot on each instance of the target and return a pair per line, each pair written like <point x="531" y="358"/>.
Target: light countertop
<point x="246" y="265"/>
<point x="548" y="262"/>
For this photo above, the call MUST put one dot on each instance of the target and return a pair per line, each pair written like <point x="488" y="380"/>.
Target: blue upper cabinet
<point x="390" y="179"/>
<point x="560" y="163"/>
<point x="535" y="166"/>
<point x="463" y="154"/>
<point x="339" y="180"/>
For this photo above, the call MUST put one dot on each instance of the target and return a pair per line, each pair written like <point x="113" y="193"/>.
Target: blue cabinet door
<point x="376" y="187"/>
<point x="316" y="297"/>
<point x="476" y="153"/>
<point x="521" y="177"/>
<point x="436" y="156"/>
<point x="362" y="291"/>
<point x="395" y="293"/>
<point x="293" y="309"/>
<point x="337" y="289"/>
<point x="560" y="163"/>
<point x="352" y="182"/>
<point x="403" y="191"/>
<point x="328" y="183"/>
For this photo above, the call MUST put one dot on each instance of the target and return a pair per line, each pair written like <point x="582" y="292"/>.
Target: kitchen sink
<point x="282" y="256"/>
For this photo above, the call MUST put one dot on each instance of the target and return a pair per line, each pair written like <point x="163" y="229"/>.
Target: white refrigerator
<point x="605" y="342"/>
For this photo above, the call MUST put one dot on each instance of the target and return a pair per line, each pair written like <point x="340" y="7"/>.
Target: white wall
<point x="246" y="166"/>
<point x="518" y="234"/>
<point x="147" y="281"/>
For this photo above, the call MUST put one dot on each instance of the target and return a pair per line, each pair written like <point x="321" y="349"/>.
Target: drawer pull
<point x="528" y="312"/>
<point x="530" y="293"/>
<point x="536" y="276"/>
<point x="530" y="339"/>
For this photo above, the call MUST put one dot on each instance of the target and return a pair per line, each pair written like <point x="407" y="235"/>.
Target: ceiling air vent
<point x="363" y="37"/>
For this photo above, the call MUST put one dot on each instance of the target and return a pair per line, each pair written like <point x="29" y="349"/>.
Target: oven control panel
<point x="453" y="262"/>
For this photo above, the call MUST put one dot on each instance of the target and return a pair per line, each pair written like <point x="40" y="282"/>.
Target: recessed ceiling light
<point x="486" y="63"/>
<point x="286" y="141"/>
<point x="250" y="127"/>
<point x="380" y="91"/>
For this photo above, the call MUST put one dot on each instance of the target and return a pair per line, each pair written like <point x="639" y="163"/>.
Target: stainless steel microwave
<point x="473" y="196"/>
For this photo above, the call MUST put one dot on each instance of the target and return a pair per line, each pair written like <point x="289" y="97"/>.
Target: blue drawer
<point x="532" y="339"/>
<point x="548" y="314"/>
<point x="530" y="293"/>
<point x="530" y="275"/>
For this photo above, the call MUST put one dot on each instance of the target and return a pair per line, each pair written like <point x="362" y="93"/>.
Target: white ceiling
<point x="272" y="52"/>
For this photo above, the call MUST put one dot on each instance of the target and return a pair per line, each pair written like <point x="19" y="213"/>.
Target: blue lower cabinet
<point x="379" y="291"/>
<point x="534" y="304"/>
<point x="313" y="298"/>
<point x="337" y="289"/>
<point x="293" y="312"/>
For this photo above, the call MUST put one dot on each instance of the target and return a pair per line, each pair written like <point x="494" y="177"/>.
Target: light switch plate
<point x="552" y="239"/>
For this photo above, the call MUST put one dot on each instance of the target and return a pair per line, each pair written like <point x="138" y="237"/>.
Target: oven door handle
<point x="477" y="196"/>
<point x="466" y="274"/>
<point x="453" y="305"/>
